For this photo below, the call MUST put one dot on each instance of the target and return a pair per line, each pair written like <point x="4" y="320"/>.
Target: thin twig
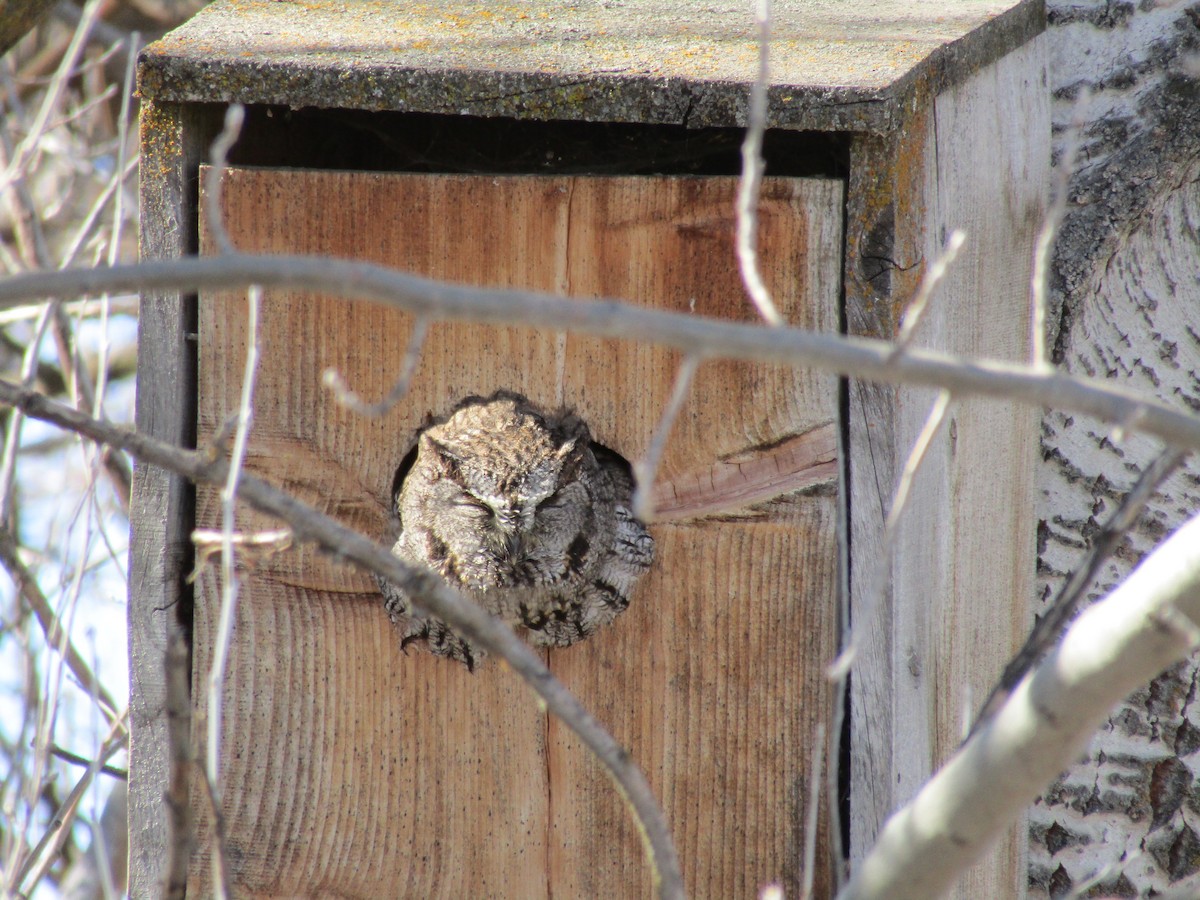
<point x="19" y="771"/>
<point x="429" y="594"/>
<point x="408" y="367"/>
<point x="182" y="838"/>
<point x="840" y="667"/>
<point x="19" y="163"/>
<point x="76" y="760"/>
<point x="102" y="32"/>
<point x="862" y="358"/>
<point x="114" y="186"/>
<point x="750" y="181"/>
<point x="45" y="852"/>
<point x="12" y="437"/>
<point x="221" y="884"/>
<point x="52" y="629"/>
<point x="114" y="246"/>
<point x="812" y="814"/>
<point x="234" y="116"/>
<point x="26" y="224"/>
<point x="1046" y="631"/>
<point x="125" y="305"/>
<point x="646" y="468"/>
<point x="94" y="102"/>
<point x="229" y="582"/>
<point x="929" y="282"/>
<point x="84" y="394"/>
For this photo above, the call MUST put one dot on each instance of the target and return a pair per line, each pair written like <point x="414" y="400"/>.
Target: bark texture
<point x="1126" y="307"/>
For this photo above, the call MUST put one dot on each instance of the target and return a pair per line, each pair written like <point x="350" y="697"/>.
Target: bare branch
<point x="840" y="667"/>
<point x="698" y="335"/>
<point x="750" y="181"/>
<point x="929" y="282"/>
<point x="76" y="760"/>
<point x="222" y="887"/>
<point x="28" y="588"/>
<point x="115" y="186"/>
<point x="102" y="870"/>
<point x="126" y="305"/>
<point x="179" y="736"/>
<point x="408" y="367"/>
<point x="1046" y="632"/>
<point x="1145" y="625"/>
<point x="811" y="816"/>
<point x="28" y="147"/>
<point x="646" y="468"/>
<point x="44" y="854"/>
<point x="429" y="594"/>
<point x="234" y="117"/>
<point x="12" y="437"/>
<point x="229" y="583"/>
<point x="80" y="383"/>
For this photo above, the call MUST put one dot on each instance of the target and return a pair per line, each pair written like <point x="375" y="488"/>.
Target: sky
<point x="64" y="524"/>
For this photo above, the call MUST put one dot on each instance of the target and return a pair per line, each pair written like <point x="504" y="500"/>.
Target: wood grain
<point x="352" y="769"/>
<point x="961" y="575"/>
<point x="173" y="138"/>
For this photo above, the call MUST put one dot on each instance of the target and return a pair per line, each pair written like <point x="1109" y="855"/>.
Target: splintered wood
<point x="351" y="768"/>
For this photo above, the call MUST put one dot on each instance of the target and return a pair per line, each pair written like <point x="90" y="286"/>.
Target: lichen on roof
<point x="835" y="65"/>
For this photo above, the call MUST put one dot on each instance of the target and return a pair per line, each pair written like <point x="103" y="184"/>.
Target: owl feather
<point x="524" y="514"/>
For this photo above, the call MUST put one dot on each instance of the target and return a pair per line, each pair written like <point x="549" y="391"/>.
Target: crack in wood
<point x="750" y="477"/>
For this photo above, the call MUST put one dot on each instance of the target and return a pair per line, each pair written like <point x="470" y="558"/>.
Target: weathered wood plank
<point x="349" y="767"/>
<point x="993" y="138"/>
<point x="739" y="618"/>
<point x="962" y="572"/>
<point x="834" y="66"/>
<point x="173" y="139"/>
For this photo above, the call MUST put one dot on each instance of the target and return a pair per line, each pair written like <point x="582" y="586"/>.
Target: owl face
<point x="520" y="511"/>
<point x="504" y="496"/>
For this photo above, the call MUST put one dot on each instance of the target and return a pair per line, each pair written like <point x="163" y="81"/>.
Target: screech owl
<point x="520" y="511"/>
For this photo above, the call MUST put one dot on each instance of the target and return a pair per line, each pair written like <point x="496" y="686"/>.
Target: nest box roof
<point x="834" y="64"/>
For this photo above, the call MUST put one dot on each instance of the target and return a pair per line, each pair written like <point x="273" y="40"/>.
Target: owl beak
<point x="512" y="545"/>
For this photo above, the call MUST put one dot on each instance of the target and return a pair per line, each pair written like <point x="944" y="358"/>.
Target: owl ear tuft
<point x="572" y="454"/>
<point x="444" y="460"/>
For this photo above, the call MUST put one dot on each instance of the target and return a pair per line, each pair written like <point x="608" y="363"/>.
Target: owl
<point x="521" y="512"/>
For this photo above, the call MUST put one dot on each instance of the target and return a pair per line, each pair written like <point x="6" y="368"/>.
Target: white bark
<point x="1130" y="313"/>
<point x="1148" y="623"/>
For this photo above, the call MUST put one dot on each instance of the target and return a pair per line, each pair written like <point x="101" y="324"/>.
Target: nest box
<point x="592" y="150"/>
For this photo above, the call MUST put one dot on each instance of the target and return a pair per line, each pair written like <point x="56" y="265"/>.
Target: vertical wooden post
<point x="174" y="138"/>
<point x="960" y="601"/>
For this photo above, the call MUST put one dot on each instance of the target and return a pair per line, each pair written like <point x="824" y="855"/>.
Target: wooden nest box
<point x="591" y="150"/>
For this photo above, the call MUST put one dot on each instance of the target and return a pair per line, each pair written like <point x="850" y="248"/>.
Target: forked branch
<point x="426" y="589"/>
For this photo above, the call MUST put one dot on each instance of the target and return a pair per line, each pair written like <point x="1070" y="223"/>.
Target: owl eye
<point x="554" y="501"/>
<point x="472" y="507"/>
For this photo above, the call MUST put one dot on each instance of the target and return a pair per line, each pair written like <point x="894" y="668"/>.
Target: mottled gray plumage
<point x="520" y="511"/>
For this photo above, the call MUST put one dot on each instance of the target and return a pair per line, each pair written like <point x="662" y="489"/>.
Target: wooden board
<point x="960" y="579"/>
<point x="350" y="768"/>
<point x="173" y="140"/>
<point x="835" y="66"/>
